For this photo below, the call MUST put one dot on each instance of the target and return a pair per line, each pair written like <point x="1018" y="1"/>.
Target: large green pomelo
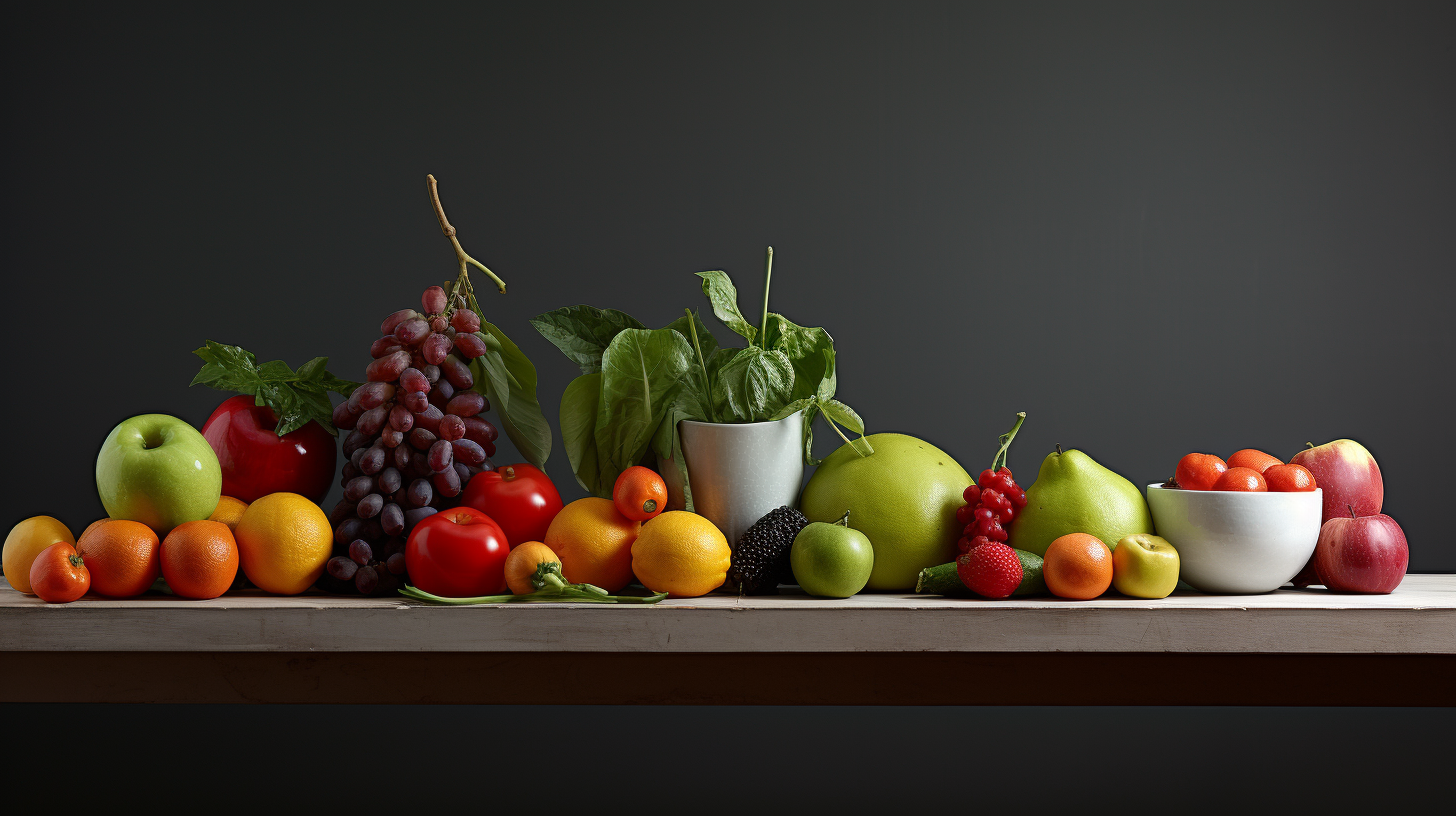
<point x="1074" y="494"/>
<point x="903" y="497"/>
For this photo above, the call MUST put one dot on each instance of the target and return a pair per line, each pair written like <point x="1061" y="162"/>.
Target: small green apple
<point x="833" y="560"/>
<point x="158" y="470"/>
<point x="1145" y="566"/>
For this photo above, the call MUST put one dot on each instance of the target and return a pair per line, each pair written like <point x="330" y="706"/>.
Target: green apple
<point x="833" y="560"/>
<point x="1145" y="566"/>
<point x="158" y="470"/>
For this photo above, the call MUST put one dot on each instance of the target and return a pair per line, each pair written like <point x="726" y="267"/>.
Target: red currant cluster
<point x="993" y="501"/>
<point x="991" y="504"/>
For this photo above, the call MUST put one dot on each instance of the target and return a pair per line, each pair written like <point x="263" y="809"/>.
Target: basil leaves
<point x="638" y="383"/>
<point x="295" y="397"/>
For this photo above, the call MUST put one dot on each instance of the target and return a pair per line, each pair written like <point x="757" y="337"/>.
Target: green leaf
<point x="583" y="332"/>
<point x="837" y="412"/>
<point x="829" y="382"/>
<point x="578" y="419"/>
<point x="510" y="384"/>
<point x="275" y="370"/>
<point x="753" y="385"/>
<point x="706" y="340"/>
<point x="667" y="443"/>
<point x="724" y="299"/>
<point x="642" y="373"/>
<point x="805" y="347"/>
<point x="810" y="407"/>
<point x="313" y="369"/>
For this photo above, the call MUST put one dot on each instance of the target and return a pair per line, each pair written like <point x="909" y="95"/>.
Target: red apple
<point x="257" y="461"/>
<point x="1361" y="554"/>
<point x="1347" y="474"/>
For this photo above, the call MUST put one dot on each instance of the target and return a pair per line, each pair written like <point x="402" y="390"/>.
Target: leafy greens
<point x="637" y="383"/>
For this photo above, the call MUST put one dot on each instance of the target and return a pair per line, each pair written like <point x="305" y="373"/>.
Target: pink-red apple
<point x="257" y="461"/>
<point x="1347" y="474"/>
<point x="1361" y="554"/>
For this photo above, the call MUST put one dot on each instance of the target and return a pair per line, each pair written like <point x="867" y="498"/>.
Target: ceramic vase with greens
<point x="638" y="385"/>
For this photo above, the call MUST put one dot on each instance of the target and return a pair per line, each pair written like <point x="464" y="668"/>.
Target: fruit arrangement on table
<point x="428" y="515"/>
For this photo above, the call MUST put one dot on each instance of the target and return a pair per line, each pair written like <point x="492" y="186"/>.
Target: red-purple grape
<point x="469" y="346"/>
<point x="465" y="321"/>
<point x="389" y="324"/>
<point x="433" y="300"/>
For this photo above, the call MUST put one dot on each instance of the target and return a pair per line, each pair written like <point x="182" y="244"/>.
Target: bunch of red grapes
<point x="991" y="505"/>
<point x="416" y="438"/>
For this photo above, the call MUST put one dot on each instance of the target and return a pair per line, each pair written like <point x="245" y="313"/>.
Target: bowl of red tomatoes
<point x="1241" y="526"/>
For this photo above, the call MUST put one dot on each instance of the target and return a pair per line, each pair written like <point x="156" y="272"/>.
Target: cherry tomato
<point x="1255" y="459"/>
<point x="1289" y="479"/>
<point x="1199" y="471"/>
<point x="1241" y="479"/>
<point x="639" y="493"/>
<point x="457" y="553"/>
<point x="520" y="498"/>
<point x="58" y="574"/>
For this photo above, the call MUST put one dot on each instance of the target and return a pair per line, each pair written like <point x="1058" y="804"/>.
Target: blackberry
<point x="761" y="556"/>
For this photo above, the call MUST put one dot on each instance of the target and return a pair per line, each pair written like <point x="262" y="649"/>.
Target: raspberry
<point x="991" y="570"/>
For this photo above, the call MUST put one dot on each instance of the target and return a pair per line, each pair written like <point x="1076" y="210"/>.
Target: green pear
<point x="1074" y="494"/>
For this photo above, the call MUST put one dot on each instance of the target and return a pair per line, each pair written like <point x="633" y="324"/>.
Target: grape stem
<point x="460" y="254"/>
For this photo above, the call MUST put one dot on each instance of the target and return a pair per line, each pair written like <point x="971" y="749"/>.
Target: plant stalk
<point x="697" y="347"/>
<point x="763" y="322"/>
<point x="460" y="254"/>
<point x="1004" y="451"/>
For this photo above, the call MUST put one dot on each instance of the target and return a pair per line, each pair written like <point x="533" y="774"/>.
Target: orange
<point x="1241" y="479"/>
<point x="123" y="557"/>
<point x="1077" y="566"/>
<point x="522" y="562"/>
<point x="229" y="511"/>
<point x="1254" y="460"/>
<point x="199" y="559"/>
<point x="90" y="527"/>
<point x="284" y="540"/>
<point x="594" y="542"/>
<point x="682" y="554"/>
<point x="25" y="541"/>
<point x="639" y="494"/>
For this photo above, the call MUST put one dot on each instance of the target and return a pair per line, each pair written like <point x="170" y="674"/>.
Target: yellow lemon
<point x="25" y="542"/>
<point x="284" y="540"/>
<point x="682" y="554"/>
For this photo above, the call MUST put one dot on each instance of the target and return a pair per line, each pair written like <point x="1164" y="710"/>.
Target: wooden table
<point x="1289" y="647"/>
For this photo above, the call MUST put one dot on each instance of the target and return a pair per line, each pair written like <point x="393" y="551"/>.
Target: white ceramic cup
<point x="739" y="472"/>
<point x="1234" y="542"/>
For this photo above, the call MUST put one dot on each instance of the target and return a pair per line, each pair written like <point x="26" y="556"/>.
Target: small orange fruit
<point x="522" y="562"/>
<point x="229" y="511"/>
<point x="1243" y="480"/>
<point x="682" y="554"/>
<point x="1289" y="479"/>
<point x="640" y="493"/>
<point x="1254" y="460"/>
<point x="26" y="541"/>
<point x="1077" y="566"/>
<point x="91" y="527"/>
<point x="123" y="557"/>
<point x="200" y="559"/>
<point x="594" y="542"/>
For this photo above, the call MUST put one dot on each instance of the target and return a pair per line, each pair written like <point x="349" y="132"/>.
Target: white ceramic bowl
<point x="1238" y="543"/>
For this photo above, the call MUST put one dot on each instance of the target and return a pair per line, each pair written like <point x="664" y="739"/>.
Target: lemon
<point x="682" y="554"/>
<point x="25" y="542"/>
<point x="284" y="540"/>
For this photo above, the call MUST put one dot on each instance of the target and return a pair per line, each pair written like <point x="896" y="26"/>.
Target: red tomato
<point x="257" y="461"/>
<point x="1241" y="479"/>
<point x="1289" y="479"/>
<point x="520" y="498"/>
<point x="457" y="553"/>
<point x="58" y="575"/>
<point x="1199" y="471"/>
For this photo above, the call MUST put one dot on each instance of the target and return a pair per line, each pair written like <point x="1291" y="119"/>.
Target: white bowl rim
<point x="739" y="424"/>
<point x="1159" y="486"/>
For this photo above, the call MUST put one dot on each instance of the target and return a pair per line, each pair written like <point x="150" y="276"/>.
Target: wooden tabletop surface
<point x="1418" y="618"/>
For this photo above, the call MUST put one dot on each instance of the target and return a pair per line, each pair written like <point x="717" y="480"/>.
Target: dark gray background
<point x="1157" y="228"/>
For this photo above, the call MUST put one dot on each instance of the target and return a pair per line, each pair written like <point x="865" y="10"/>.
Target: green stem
<point x="841" y="435"/>
<point x="707" y="380"/>
<point x="1000" y="460"/>
<point x="763" y="322"/>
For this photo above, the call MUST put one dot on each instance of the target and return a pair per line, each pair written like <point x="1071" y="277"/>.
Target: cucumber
<point x="943" y="580"/>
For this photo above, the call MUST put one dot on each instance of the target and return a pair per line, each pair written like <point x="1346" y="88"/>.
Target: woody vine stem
<point x="462" y="283"/>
